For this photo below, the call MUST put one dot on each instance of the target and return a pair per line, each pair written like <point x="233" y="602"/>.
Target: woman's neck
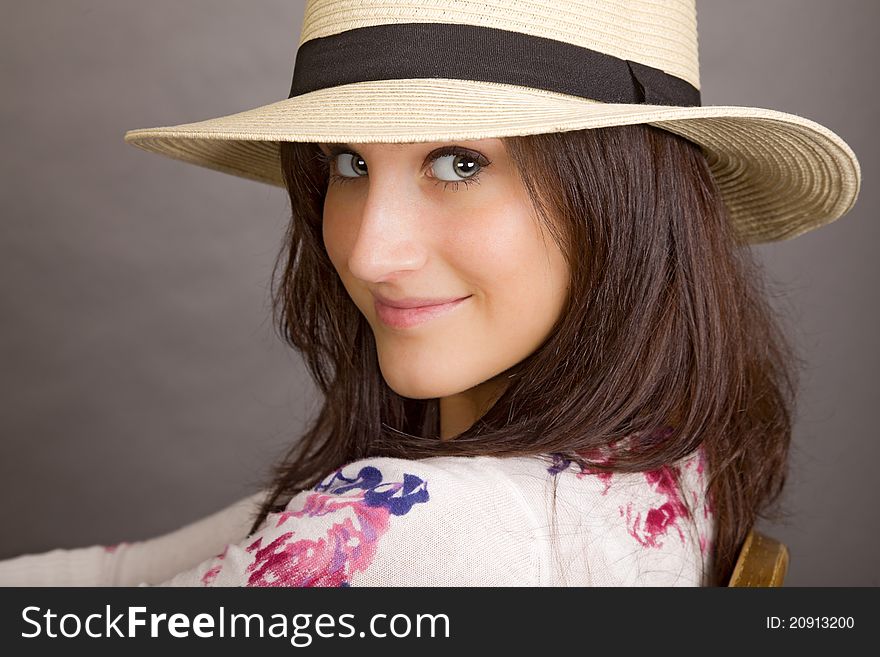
<point x="458" y="412"/>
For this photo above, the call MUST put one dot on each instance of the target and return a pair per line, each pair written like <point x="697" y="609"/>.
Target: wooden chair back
<point x="762" y="561"/>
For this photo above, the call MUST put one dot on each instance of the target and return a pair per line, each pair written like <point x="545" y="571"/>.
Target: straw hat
<point x="438" y="70"/>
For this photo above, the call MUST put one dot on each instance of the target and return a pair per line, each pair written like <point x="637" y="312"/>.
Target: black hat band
<point x="472" y="52"/>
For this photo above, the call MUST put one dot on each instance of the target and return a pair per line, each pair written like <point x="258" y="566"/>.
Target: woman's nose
<point x="390" y="236"/>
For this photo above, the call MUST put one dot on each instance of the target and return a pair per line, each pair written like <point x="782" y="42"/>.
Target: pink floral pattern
<point x="212" y="572"/>
<point x="649" y="525"/>
<point x="327" y="553"/>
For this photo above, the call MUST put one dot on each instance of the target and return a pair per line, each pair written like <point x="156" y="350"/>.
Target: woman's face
<point x="440" y="221"/>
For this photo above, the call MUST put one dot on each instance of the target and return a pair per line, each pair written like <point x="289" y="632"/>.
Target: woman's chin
<point x="422" y="381"/>
<point x="415" y="388"/>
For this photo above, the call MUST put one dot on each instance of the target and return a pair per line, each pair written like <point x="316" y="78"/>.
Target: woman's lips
<point x="402" y="318"/>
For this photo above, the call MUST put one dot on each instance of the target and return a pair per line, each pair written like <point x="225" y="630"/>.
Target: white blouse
<point x="440" y="521"/>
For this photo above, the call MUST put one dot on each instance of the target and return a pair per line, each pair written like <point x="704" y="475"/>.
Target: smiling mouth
<point x="402" y="318"/>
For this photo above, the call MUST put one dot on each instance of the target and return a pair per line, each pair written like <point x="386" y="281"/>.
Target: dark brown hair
<point x="666" y="332"/>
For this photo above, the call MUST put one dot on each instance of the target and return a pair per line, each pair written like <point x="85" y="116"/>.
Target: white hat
<point x="438" y="70"/>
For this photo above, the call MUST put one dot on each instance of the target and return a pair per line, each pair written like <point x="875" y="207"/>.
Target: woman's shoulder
<point x="383" y="521"/>
<point x="575" y="525"/>
<point x="621" y="528"/>
<point x="448" y="521"/>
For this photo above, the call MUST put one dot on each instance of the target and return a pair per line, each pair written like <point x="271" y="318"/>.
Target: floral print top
<point x="441" y="521"/>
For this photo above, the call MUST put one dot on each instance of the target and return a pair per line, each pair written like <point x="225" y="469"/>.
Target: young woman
<point x="523" y="286"/>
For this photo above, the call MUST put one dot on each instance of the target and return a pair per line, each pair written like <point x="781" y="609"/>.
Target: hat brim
<point x="780" y="174"/>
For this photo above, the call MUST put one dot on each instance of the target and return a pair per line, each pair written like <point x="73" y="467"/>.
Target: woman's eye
<point x="455" y="167"/>
<point x="350" y="165"/>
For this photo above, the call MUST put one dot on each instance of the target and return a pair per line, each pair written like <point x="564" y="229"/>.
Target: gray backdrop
<point x="141" y="384"/>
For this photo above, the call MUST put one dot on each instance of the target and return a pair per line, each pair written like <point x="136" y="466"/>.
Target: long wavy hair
<point x="666" y="334"/>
